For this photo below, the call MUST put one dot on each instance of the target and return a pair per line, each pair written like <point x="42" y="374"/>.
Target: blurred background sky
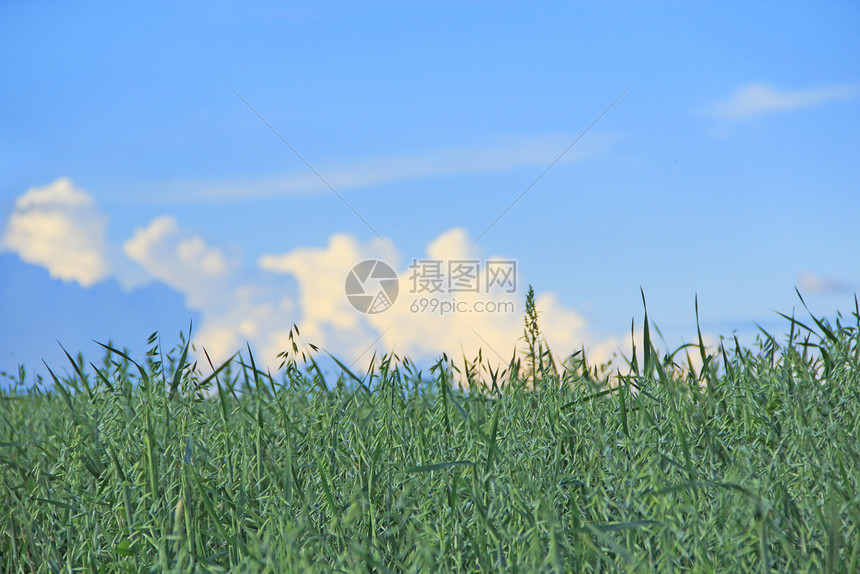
<point x="138" y="192"/>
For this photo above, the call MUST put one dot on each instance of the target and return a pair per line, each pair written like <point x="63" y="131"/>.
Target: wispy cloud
<point x="504" y="154"/>
<point x="759" y="98"/>
<point x="811" y="283"/>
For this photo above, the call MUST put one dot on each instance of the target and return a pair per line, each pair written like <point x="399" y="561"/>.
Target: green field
<point x="748" y="463"/>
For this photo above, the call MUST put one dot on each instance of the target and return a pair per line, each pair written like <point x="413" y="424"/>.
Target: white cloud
<point x="812" y="283"/>
<point x="505" y="154"/>
<point x="59" y="228"/>
<point x="758" y="98"/>
<point x="328" y="319"/>
<point x="259" y="314"/>
<point x="235" y="306"/>
<point x="497" y="334"/>
<point x="185" y="263"/>
<point x="417" y="325"/>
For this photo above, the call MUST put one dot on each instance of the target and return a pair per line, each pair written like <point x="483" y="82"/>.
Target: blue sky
<point x="139" y="192"/>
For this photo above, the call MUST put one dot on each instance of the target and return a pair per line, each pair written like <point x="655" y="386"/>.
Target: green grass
<point x="747" y="464"/>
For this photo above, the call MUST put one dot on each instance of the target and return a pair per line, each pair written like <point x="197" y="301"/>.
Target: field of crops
<point x="748" y="463"/>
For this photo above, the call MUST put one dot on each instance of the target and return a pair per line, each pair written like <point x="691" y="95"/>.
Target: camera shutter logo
<point x="372" y="286"/>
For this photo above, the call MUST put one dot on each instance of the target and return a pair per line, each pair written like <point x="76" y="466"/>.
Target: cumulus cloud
<point x="184" y="262"/>
<point x="811" y="283"/>
<point x="431" y="317"/>
<point x="328" y="319"/>
<point x="259" y="313"/>
<point x="236" y="306"/>
<point x="59" y="228"/>
<point x="758" y="98"/>
<point x="426" y="319"/>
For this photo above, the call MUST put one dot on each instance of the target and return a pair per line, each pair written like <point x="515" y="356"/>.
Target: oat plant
<point x="746" y="460"/>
